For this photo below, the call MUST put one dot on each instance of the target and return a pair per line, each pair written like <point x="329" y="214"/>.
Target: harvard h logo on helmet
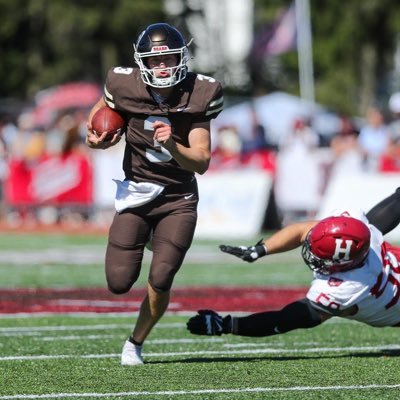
<point x="336" y="244"/>
<point x="342" y="252"/>
<point x="162" y="39"/>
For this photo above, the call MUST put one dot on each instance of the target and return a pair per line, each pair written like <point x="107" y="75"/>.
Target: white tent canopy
<point x="276" y="112"/>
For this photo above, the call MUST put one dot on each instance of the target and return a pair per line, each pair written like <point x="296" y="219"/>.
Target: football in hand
<point x="107" y="120"/>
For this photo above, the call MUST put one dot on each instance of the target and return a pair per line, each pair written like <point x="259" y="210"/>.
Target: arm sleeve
<point x="386" y="214"/>
<point x="296" y="315"/>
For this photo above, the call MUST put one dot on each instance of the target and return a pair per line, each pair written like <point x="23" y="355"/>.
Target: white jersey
<point x="374" y="287"/>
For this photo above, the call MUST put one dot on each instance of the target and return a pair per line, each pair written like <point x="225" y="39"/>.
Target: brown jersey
<point x="195" y="100"/>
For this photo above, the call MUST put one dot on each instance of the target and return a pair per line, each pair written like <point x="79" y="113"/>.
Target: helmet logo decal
<point x="342" y="250"/>
<point x="159" y="48"/>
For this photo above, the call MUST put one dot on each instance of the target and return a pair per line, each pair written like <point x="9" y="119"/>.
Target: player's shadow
<point x="375" y="354"/>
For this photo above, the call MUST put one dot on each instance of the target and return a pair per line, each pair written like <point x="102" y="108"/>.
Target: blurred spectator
<point x="298" y="179"/>
<point x="373" y="138"/>
<point x="258" y="151"/>
<point x="302" y="136"/>
<point x="80" y="118"/>
<point x="390" y="159"/>
<point x="4" y="127"/>
<point x="394" y="107"/>
<point x="259" y="138"/>
<point x="8" y="130"/>
<point x="227" y="151"/>
<point x="26" y="149"/>
<point x="56" y="134"/>
<point x="28" y="144"/>
<point x="346" y="152"/>
<point x="74" y="214"/>
<point x="71" y="140"/>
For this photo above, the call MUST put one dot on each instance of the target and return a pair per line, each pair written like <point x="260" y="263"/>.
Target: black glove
<point x="248" y="254"/>
<point x="208" y="322"/>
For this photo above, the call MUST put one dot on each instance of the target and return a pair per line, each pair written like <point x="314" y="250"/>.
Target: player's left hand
<point x="162" y="132"/>
<point x="249" y="254"/>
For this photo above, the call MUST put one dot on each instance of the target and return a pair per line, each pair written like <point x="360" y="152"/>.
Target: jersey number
<point x="158" y="153"/>
<point x="123" y="70"/>
<point x="389" y="262"/>
<point x="201" y="77"/>
<point x="325" y="301"/>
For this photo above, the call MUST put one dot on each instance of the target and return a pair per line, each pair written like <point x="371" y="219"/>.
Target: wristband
<point x="261" y="251"/>
<point x="265" y="249"/>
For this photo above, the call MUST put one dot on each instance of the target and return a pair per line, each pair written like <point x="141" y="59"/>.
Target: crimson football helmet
<point x="161" y="39"/>
<point x="336" y="244"/>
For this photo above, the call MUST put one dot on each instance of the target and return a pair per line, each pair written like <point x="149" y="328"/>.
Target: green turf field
<point x="77" y="356"/>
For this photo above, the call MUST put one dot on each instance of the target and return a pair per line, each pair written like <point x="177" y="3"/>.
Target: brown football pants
<point x="172" y="216"/>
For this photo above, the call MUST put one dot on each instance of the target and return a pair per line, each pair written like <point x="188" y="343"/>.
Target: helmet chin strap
<point x="164" y="82"/>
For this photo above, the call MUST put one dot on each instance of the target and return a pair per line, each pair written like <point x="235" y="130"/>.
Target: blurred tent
<point x="73" y="95"/>
<point x="277" y="112"/>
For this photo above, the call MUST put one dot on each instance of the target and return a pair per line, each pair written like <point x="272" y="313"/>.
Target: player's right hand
<point x="210" y="323"/>
<point x="95" y="141"/>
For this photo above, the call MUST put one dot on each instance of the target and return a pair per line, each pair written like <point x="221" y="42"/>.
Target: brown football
<point x="107" y="120"/>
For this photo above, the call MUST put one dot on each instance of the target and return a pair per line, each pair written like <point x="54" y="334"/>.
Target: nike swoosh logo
<point x="276" y="330"/>
<point x="183" y="109"/>
<point x="189" y="196"/>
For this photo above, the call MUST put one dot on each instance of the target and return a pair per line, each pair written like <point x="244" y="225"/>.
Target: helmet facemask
<point x="313" y="262"/>
<point x="176" y="73"/>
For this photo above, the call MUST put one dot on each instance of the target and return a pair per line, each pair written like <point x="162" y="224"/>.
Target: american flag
<point x="278" y="38"/>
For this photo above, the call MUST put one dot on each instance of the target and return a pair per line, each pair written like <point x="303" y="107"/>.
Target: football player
<point x="168" y="111"/>
<point x="356" y="274"/>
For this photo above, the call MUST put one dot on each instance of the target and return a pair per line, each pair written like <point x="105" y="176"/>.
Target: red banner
<point x="61" y="180"/>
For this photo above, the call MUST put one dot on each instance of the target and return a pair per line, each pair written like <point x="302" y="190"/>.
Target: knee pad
<point x="162" y="276"/>
<point x="160" y="288"/>
<point x="120" y="280"/>
<point x="118" y="289"/>
<point x="161" y="279"/>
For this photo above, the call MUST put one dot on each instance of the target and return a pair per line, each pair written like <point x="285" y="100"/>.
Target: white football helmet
<point x="161" y="39"/>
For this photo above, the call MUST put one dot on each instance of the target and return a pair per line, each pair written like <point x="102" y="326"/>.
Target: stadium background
<point x="285" y="68"/>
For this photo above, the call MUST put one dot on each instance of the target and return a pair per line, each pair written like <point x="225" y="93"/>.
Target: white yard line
<point x="113" y="314"/>
<point x="202" y="391"/>
<point x="89" y="255"/>
<point x="149" y="341"/>
<point x="82" y="327"/>
<point x="33" y="330"/>
<point x="212" y="353"/>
